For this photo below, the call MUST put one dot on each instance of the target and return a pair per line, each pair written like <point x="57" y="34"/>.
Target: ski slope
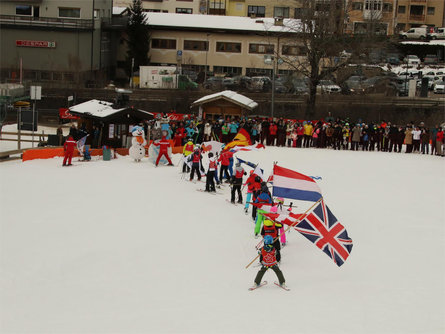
<point x="124" y="247"/>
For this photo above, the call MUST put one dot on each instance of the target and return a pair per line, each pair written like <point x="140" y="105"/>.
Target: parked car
<point x="439" y="33"/>
<point x="280" y="87"/>
<point x="229" y="83"/>
<point x="300" y="87"/>
<point x="328" y="87"/>
<point x="430" y="60"/>
<point x="432" y="80"/>
<point x="214" y="83"/>
<point x="393" y="59"/>
<point x="414" y="33"/>
<point x="439" y="88"/>
<point x="354" y="85"/>
<point x="260" y="84"/>
<point x="402" y="86"/>
<point x="242" y="81"/>
<point x="411" y="60"/>
<point x="380" y="84"/>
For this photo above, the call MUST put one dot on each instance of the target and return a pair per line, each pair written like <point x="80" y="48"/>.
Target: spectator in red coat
<point x="68" y="147"/>
<point x="272" y="133"/>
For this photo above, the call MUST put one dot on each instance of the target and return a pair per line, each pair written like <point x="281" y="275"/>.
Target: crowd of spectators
<point x="339" y="134"/>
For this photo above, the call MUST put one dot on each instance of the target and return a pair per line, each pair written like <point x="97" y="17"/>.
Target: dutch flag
<point x="290" y="184"/>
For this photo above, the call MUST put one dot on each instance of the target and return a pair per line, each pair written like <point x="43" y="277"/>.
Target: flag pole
<point x="288" y="228"/>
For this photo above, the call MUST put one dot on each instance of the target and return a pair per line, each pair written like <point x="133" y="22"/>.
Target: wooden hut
<point x="225" y="103"/>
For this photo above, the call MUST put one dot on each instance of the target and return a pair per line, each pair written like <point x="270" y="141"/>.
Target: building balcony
<point x="45" y="22"/>
<point x="417" y="18"/>
<point x="418" y="1"/>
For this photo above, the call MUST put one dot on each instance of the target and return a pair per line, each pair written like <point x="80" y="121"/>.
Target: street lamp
<point x="207" y="52"/>
<point x="268" y="59"/>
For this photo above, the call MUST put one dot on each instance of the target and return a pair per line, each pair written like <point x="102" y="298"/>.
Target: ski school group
<point x="269" y="212"/>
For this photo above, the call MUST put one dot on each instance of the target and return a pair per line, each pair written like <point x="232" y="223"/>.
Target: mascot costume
<point x="137" y="149"/>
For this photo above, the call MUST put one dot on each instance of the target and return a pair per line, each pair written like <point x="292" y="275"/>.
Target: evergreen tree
<point x="138" y="37"/>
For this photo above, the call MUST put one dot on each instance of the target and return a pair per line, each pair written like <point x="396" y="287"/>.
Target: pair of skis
<point x="265" y="282"/>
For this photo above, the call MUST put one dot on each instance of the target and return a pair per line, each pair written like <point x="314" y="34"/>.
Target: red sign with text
<point x="65" y="114"/>
<point x="35" y="44"/>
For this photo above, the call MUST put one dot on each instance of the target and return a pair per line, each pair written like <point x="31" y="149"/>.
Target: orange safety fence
<point x="48" y="153"/>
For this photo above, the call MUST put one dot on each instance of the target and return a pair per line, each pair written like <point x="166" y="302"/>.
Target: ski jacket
<point x="225" y="129"/>
<point x="270" y="228"/>
<point x="263" y="198"/>
<point x="224" y="158"/>
<point x="308" y="128"/>
<point x="196" y="157"/>
<point x="239" y="172"/>
<point x="250" y="182"/>
<point x="233" y="127"/>
<point x="268" y="258"/>
<point x="439" y="136"/>
<point x="273" y="129"/>
<point x="188" y="148"/>
<point x="163" y="144"/>
<point x="212" y="164"/>
<point x="70" y="144"/>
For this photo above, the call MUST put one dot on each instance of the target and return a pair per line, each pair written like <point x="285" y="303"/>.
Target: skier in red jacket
<point x="163" y="150"/>
<point x="68" y="147"/>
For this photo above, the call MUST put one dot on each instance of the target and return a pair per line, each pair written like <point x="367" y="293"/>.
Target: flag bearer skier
<point x="268" y="260"/>
<point x="271" y="228"/>
<point x="237" y="181"/>
<point x="263" y="198"/>
<point x="278" y="209"/>
<point x="195" y="158"/>
<point x="210" y="182"/>
<point x="188" y="149"/>
<point x="249" y="183"/>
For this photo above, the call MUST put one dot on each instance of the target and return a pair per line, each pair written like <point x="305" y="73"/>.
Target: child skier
<point x="263" y="198"/>
<point x="237" y="181"/>
<point x="269" y="261"/>
<point x="195" y="158"/>
<point x="271" y="228"/>
<point x="210" y="183"/>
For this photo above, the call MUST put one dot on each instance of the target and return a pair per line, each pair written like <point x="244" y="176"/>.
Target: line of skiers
<point x="257" y="192"/>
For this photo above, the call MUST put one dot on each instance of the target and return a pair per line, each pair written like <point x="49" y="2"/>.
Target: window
<point x="402" y="10"/>
<point x="281" y="11"/>
<point x="373" y="5"/>
<point x="292" y="50"/>
<point x="302" y="12"/>
<point x="196" y="45"/>
<point x="184" y="10"/>
<point x="23" y="10"/>
<point x="357" y="6"/>
<point x="157" y="43"/>
<point x="257" y="11"/>
<point x="69" y="12"/>
<point x="430" y="10"/>
<point x="261" y="48"/>
<point x="228" y="47"/>
<point x="96" y="13"/>
<point x="44" y="75"/>
<point x="387" y="7"/>
<point x="227" y="70"/>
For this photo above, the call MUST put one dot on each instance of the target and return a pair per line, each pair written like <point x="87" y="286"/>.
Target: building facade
<point x="54" y="41"/>
<point x="219" y="44"/>
<point x="389" y="17"/>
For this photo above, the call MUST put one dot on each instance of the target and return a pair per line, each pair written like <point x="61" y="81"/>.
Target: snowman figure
<point x="137" y="149"/>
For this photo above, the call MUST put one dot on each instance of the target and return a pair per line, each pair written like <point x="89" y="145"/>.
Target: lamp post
<point x="268" y="59"/>
<point x="207" y="53"/>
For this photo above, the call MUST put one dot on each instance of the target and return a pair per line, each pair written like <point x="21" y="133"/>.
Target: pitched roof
<point x="220" y="22"/>
<point x="229" y="95"/>
<point x="104" y="110"/>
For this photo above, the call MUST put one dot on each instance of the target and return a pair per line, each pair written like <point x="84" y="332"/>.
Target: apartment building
<point x="53" y="41"/>
<point x="256" y="8"/>
<point x="220" y="44"/>
<point x="392" y="16"/>
<point x="415" y="13"/>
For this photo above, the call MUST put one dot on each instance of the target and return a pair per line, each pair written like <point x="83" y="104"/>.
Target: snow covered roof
<point x="432" y="42"/>
<point x="219" y="22"/>
<point x="229" y="95"/>
<point x="104" y="110"/>
<point x="119" y="10"/>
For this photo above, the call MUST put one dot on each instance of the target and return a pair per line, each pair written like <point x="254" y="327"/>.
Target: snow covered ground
<point x="124" y="247"/>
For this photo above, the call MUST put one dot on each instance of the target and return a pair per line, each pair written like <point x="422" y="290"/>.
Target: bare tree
<point x="319" y="41"/>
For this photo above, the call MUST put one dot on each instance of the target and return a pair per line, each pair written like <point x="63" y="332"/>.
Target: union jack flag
<point x="322" y="228"/>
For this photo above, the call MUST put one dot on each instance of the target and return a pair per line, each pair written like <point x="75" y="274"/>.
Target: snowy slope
<point x="125" y="247"/>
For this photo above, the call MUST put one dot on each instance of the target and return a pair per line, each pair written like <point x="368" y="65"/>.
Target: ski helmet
<point x="268" y="240"/>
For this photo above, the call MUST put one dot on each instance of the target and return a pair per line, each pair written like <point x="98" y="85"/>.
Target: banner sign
<point x="35" y="44"/>
<point x="64" y="113"/>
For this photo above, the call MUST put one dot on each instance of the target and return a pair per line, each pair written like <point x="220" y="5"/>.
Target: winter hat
<point x="274" y="209"/>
